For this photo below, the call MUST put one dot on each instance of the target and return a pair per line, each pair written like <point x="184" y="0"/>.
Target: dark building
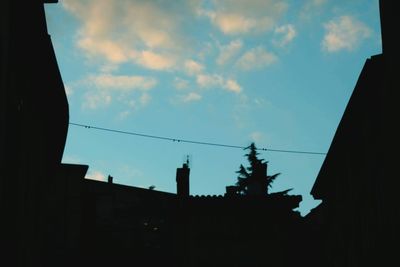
<point x="33" y="129"/>
<point x="357" y="222"/>
<point x="52" y="216"/>
<point x="124" y="223"/>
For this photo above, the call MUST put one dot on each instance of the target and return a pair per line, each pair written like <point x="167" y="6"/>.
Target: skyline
<point x="277" y="73"/>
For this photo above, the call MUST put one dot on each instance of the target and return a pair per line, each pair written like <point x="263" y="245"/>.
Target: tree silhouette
<point x="254" y="180"/>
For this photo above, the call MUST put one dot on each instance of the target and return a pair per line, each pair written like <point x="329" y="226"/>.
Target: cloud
<point x="234" y="23"/>
<point x="104" y="88"/>
<point x="68" y="90"/>
<point x="96" y="175"/>
<point x="112" y="51"/>
<point x="180" y="83"/>
<point x="192" y="67"/>
<point x="191" y="97"/>
<point x="155" y="61"/>
<point x="311" y="8"/>
<point x="209" y="80"/>
<point x="144" y="99"/>
<point x="217" y="81"/>
<point x="146" y="33"/>
<point x="94" y="99"/>
<point x="108" y="68"/>
<point x="257" y="136"/>
<point x="133" y="104"/>
<point x="233" y="86"/>
<point x="344" y="33"/>
<point x="284" y="35"/>
<point x="256" y="58"/>
<point x="227" y="52"/>
<point x="122" y="82"/>
<point x="239" y="17"/>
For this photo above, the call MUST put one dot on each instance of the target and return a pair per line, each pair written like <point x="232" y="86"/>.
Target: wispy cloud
<point x="256" y="58"/>
<point x="193" y="67"/>
<point x="155" y="61"/>
<point x="240" y="17"/>
<point x="122" y="82"/>
<point x="127" y="31"/>
<point x="311" y="8"/>
<point x="227" y="52"/>
<point x="180" y="83"/>
<point x="115" y="35"/>
<point x="218" y="81"/>
<point x="209" y="80"/>
<point x="104" y="88"/>
<point x="96" y="175"/>
<point x="68" y="90"/>
<point x="144" y="99"/>
<point x="284" y="35"/>
<point x="233" y="86"/>
<point x="96" y="99"/>
<point x="344" y="33"/>
<point x="190" y="97"/>
<point x="257" y="137"/>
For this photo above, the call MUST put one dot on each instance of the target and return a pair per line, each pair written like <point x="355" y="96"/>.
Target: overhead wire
<point x="189" y="141"/>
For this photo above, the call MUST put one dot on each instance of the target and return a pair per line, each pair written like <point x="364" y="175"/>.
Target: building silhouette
<point x="357" y="222"/>
<point x="34" y="123"/>
<point x="52" y="216"/>
<point x="125" y="223"/>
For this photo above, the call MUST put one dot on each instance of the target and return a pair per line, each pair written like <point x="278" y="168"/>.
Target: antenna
<point x="188" y="160"/>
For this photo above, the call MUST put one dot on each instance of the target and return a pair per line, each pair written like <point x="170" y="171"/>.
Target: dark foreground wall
<point x="357" y="223"/>
<point x="33" y="129"/>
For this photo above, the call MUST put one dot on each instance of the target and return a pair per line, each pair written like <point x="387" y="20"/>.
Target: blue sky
<point x="278" y="73"/>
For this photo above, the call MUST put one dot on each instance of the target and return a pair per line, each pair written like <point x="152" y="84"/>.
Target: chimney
<point x="110" y="179"/>
<point x="182" y="181"/>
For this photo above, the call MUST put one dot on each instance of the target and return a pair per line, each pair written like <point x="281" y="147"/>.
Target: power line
<point x="190" y="141"/>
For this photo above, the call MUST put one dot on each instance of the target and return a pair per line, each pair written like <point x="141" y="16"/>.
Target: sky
<point x="277" y="73"/>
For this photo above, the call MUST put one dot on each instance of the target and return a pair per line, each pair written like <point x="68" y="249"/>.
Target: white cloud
<point x="344" y="32"/>
<point x="122" y="82"/>
<point x="95" y="175"/>
<point x="192" y="67"/>
<point x="112" y="51"/>
<point x="257" y="136"/>
<point x="209" y="80"/>
<point x="239" y="17"/>
<point x="234" y="23"/>
<point x="68" y="90"/>
<point x="108" y="68"/>
<point x="205" y="50"/>
<point x="261" y="102"/>
<point x="256" y="58"/>
<point x="144" y="99"/>
<point x="94" y="100"/>
<point x="285" y="34"/>
<point x="124" y="114"/>
<point x="217" y="81"/>
<point x="155" y="61"/>
<point x="311" y="8"/>
<point x="227" y="52"/>
<point x="104" y="88"/>
<point x="191" y="97"/>
<point x="143" y="32"/>
<point x="233" y="86"/>
<point x="180" y="83"/>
